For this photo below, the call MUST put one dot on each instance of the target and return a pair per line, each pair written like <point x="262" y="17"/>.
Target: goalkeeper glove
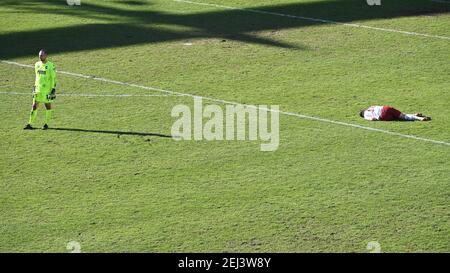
<point x="53" y="94"/>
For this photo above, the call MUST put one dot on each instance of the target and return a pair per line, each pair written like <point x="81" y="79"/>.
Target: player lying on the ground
<point x="44" y="89"/>
<point x="388" y="113"/>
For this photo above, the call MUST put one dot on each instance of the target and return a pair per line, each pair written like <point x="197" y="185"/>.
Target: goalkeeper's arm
<point x="53" y="75"/>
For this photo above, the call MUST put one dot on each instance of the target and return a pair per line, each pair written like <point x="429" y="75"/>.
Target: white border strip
<point x="315" y="19"/>
<point x="237" y="103"/>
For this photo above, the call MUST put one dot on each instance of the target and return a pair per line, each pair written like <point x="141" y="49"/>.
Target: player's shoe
<point x="45" y="127"/>
<point x="28" y="127"/>
<point x="419" y="114"/>
<point x="424" y="118"/>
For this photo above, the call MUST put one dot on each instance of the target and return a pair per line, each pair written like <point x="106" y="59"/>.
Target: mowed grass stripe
<point x="237" y="103"/>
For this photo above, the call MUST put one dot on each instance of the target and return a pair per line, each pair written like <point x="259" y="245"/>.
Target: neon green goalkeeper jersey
<point x="45" y="77"/>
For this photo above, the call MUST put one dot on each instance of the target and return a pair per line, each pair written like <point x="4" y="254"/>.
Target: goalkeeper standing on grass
<point x="44" y="89"/>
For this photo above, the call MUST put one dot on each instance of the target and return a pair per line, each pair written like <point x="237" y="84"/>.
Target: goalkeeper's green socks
<point x="33" y="116"/>
<point x="48" y="116"/>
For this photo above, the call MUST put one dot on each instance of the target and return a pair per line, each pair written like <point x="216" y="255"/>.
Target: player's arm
<point x="53" y="77"/>
<point x="368" y="117"/>
<point x="36" y="75"/>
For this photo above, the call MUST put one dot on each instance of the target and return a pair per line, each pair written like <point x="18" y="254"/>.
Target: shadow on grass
<point x="123" y="23"/>
<point x="118" y="133"/>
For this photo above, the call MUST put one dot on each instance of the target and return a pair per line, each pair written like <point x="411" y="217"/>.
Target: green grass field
<point x="328" y="187"/>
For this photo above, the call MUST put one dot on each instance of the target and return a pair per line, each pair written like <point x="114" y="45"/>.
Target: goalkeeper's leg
<point x="33" y="115"/>
<point x="48" y="115"/>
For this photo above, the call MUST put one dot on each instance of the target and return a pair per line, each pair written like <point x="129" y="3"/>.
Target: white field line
<point x="92" y="95"/>
<point x="251" y="106"/>
<point x="316" y="19"/>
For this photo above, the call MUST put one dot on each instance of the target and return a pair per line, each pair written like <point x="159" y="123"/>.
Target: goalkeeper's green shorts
<point x="42" y="97"/>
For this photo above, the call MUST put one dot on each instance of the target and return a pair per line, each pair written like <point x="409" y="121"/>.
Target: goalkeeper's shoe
<point x="45" y="127"/>
<point x="28" y="127"/>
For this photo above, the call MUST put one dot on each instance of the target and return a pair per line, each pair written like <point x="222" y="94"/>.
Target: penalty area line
<point x="326" y="21"/>
<point x="292" y="114"/>
<point x="94" y="95"/>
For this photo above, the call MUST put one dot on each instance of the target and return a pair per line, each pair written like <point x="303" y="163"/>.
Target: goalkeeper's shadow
<point x="112" y="132"/>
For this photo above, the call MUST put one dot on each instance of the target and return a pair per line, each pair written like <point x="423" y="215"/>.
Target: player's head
<point x="43" y="55"/>
<point x="361" y="113"/>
